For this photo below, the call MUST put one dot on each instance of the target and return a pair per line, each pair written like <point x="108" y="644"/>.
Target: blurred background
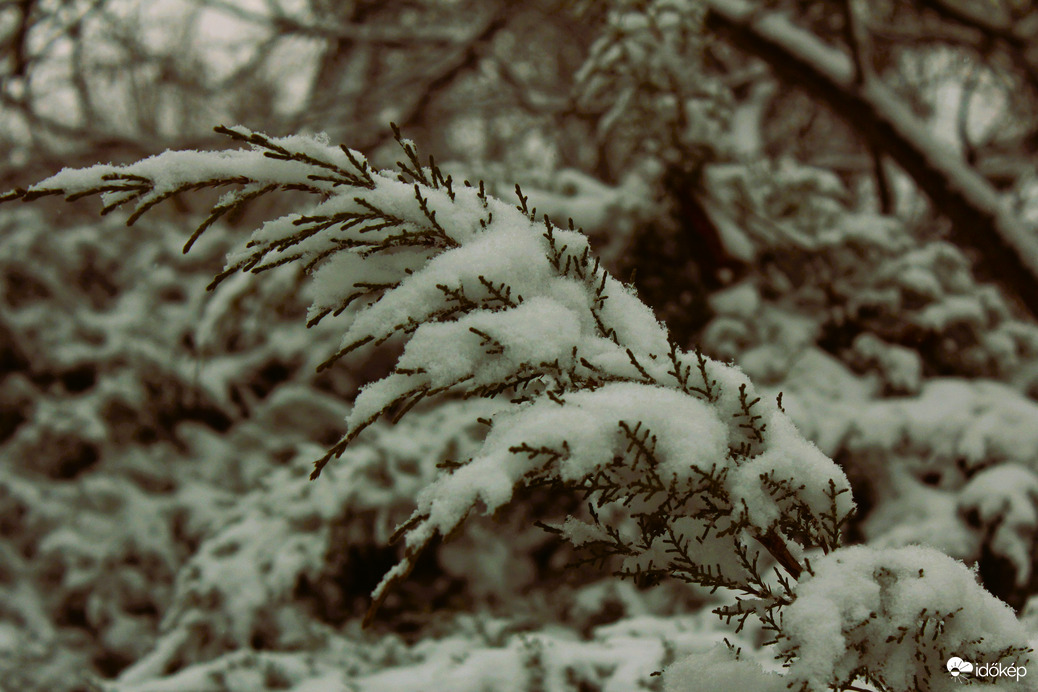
<point x="839" y="210"/>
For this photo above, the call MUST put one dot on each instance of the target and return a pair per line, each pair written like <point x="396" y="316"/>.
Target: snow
<point x="506" y="253"/>
<point x="901" y="368"/>
<point x="955" y="418"/>
<point x="539" y="330"/>
<point x="922" y="515"/>
<point x="718" y="670"/>
<point x="171" y="169"/>
<point x="788" y="456"/>
<point x="741" y="300"/>
<point x="591" y="367"/>
<point x="859" y="603"/>
<point x="1005" y="498"/>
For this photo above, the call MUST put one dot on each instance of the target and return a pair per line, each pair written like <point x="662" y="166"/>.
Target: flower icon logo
<point x="956" y="666"/>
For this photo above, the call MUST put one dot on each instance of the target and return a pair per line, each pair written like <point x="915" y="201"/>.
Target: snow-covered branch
<point x="494" y="301"/>
<point x="1007" y="251"/>
<point x="687" y="471"/>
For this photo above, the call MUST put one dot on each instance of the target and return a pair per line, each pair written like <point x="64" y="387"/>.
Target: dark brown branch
<point x="856" y="41"/>
<point x="465" y="59"/>
<point x="962" y="117"/>
<point x="994" y="29"/>
<point x="19" y="42"/>
<point x="884" y="190"/>
<point x="1006" y="253"/>
<point x="778" y="549"/>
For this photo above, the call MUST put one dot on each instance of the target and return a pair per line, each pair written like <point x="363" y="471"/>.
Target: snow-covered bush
<point x="952" y="467"/>
<point x="99" y="359"/>
<point x="290" y="541"/>
<point x="480" y="653"/>
<point x="900" y="315"/>
<point x="646" y="74"/>
<point x="890" y="300"/>
<point x="688" y="472"/>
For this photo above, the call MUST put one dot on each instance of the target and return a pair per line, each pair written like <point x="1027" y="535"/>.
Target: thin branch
<point x="19" y="43"/>
<point x="1007" y="253"/>
<point x="962" y="120"/>
<point x="884" y="190"/>
<point x="778" y="549"/>
<point x="466" y="58"/>
<point x="856" y="41"/>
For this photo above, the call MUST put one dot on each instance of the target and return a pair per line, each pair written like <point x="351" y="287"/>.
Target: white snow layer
<point x="862" y="605"/>
<point x="489" y="299"/>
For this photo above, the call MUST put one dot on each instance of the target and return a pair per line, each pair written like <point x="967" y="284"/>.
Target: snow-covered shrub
<point x="323" y="545"/>
<point x="90" y="571"/>
<point x="894" y="618"/>
<point x="865" y="287"/>
<point x="718" y="670"/>
<point x="478" y="653"/>
<point x="664" y="114"/>
<point x="689" y="473"/>
<point x="646" y="74"/>
<point x="898" y="312"/>
<point x="101" y="359"/>
<point x="953" y="467"/>
<point x="903" y="315"/>
<point x="105" y="381"/>
<point x="852" y="618"/>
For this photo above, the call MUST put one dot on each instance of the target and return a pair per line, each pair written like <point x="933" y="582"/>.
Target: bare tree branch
<point x="466" y="58"/>
<point x="856" y="41"/>
<point x="1000" y="29"/>
<point x="962" y="117"/>
<point x="18" y="44"/>
<point x="1006" y="252"/>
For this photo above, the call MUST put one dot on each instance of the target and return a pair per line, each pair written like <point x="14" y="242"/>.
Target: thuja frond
<point x="688" y="472"/>
<point x="491" y="300"/>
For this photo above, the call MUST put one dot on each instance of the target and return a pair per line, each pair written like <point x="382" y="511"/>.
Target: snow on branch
<point x="494" y="301"/>
<point x="892" y="619"/>
<point x="1007" y="251"/>
<point x="687" y="472"/>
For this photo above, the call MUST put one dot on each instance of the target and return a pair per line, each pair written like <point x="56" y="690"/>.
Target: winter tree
<point x="828" y="442"/>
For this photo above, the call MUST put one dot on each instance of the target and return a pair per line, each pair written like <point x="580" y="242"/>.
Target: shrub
<point x="687" y="471"/>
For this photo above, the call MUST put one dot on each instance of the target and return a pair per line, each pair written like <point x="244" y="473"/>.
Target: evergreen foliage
<point x="687" y="471"/>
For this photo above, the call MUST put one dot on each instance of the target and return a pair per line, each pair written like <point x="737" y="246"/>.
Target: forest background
<point x="843" y="202"/>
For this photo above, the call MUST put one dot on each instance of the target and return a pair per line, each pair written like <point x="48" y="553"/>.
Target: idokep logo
<point x="962" y="669"/>
<point x="958" y="668"/>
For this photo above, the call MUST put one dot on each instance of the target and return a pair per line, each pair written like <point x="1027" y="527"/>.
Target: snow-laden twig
<point x="687" y="471"/>
<point x="493" y="300"/>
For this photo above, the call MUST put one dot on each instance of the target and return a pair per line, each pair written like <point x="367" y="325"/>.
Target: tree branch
<point x="464" y="59"/>
<point x="856" y="41"/>
<point x="774" y="544"/>
<point x="19" y="46"/>
<point x="1006" y="252"/>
